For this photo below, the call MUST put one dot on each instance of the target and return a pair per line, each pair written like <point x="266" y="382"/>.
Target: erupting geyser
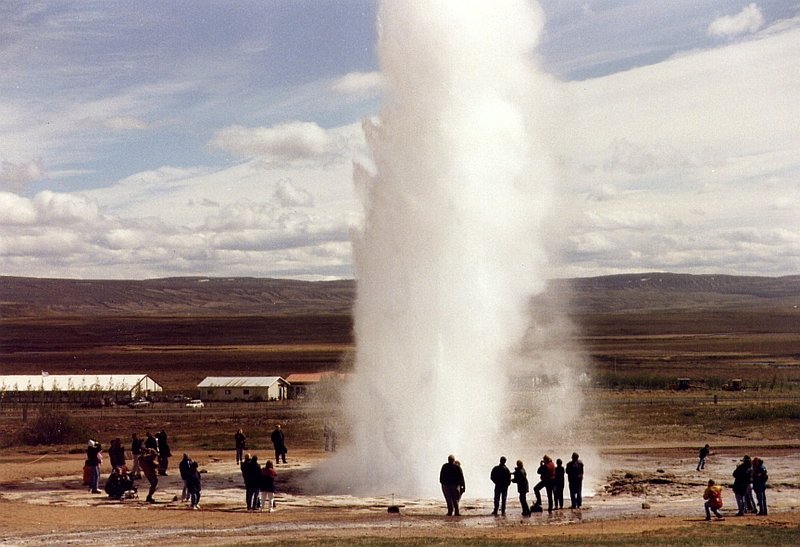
<point x="451" y="249"/>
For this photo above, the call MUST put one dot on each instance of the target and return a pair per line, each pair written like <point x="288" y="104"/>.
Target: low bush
<point x="54" y="427"/>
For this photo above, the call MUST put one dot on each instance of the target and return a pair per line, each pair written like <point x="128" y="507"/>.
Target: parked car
<point x="181" y="399"/>
<point x="140" y="403"/>
<point x="195" y="403"/>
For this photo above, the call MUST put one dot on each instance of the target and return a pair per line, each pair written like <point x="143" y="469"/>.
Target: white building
<point x="243" y="388"/>
<point x="71" y="387"/>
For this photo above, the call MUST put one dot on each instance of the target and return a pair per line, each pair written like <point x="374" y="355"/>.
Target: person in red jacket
<point x="547" y="476"/>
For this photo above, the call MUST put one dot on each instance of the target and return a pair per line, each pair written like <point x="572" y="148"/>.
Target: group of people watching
<point x="278" y="438"/>
<point x="552" y="476"/>
<point x="192" y="483"/>
<point x="749" y="477"/>
<point x="150" y="458"/>
<point x="258" y="480"/>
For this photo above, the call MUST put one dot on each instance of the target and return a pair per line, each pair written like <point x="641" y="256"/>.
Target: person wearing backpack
<point x="713" y="497"/>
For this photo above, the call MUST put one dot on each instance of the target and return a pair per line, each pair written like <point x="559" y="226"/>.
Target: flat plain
<point x="637" y="334"/>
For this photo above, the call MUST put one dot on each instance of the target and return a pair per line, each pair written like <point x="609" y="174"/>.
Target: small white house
<point x="243" y="388"/>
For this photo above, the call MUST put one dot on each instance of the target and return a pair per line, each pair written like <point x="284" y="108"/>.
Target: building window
<point x="227" y="392"/>
<point x="245" y="392"/>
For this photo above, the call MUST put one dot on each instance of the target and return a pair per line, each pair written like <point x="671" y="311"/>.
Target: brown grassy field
<point x="637" y="337"/>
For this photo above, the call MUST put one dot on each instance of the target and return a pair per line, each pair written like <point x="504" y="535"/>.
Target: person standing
<point x="267" y="486"/>
<point x="184" y="467"/>
<point x="93" y="462"/>
<point x="760" y="484"/>
<point x="558" y="487"/>
<point x="251" y="471"/>
<point x="164" y="452"/>
<point x="574" y="472"/>
<point x="151" y="442"/>
<point x="279" y="442"/>
<point x="194" y="485"/>
<point x="241" y="445"/>
<point x="704" y="452"/>
<point x="116" y="454"/>
<point x="501" y="477"/>
<point x="713" y="497"/>
<point x="149" y="466"/>
<point x="547" y="479"/>
<point x="521" y="478"/>
<point x="451" y="477"/>
<point x="136" y="451"/>
<point x="742" y="481"/>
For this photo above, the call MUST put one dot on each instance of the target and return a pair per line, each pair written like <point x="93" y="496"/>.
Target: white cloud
<point x="55" y="208"/>
<point x="289" y="141"/>
<point x="16" y="210"/>
<point x="15" y="176"/>
<point x="288" y="195"/>
<point x="359" y="84"/>
<point x="689" y="164"/>
<point x="749" y="20"/>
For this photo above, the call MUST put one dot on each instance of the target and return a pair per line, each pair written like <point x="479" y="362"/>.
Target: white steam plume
<point x="451" y="250"/>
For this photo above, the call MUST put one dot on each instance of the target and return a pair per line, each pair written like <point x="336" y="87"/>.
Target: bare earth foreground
<point x="42" y="502"/>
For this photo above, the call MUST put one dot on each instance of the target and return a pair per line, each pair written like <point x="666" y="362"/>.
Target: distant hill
<point x="190" y="296"/>
<point x="668" y="291"/>
<point x="194" y="296"/>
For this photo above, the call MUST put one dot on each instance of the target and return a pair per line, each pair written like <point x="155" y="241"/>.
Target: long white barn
<point x="68" y="386"/>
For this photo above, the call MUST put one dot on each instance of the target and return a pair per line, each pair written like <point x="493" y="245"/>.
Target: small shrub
<point x="53" y="427"/>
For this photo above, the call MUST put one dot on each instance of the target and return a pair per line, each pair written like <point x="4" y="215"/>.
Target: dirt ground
<point x="649" y="490"/>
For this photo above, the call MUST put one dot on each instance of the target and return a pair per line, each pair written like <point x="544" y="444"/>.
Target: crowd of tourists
<point x="149" y="459"/>
<point x="150" y="456"/>
<point x="552" y="477"/>
<point x="749" y="478"/>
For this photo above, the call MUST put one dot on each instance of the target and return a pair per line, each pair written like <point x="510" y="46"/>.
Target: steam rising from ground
<point x="451" y="252"/>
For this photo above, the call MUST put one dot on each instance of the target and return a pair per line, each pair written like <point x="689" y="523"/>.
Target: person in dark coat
<point x="704" y="452"/>
<point x="164" y="452"/>
<point x="574" y="472"/>
<point x="501" y="477"/>
<point x="137" y="445"/>
<point x="118" y="483"/>
<point x="451" y="477"/>
<point x="520" y="477"/>
<point x="760" y="484"/>
<point x="558" y="487"/>
<point x="194" y="485"/>
<point x="183" y="468"/>
<point x="151" y="442"/>
<point x="241" y="445"/>
<point x="742" y="480"/>
<point x="547" y="479"/>
<point x="149" y="465"/>
<point x="279" y="442"/>
<point x="251" y="472"/>
<point x="116" y="453"/>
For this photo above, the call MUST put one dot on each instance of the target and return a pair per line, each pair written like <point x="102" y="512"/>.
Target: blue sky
<point x="151" y="139"/>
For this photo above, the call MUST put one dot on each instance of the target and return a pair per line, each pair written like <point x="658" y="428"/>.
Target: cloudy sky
<point x="151" y="139"/>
